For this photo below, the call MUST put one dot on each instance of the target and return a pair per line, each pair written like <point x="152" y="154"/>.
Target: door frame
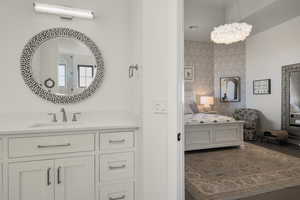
<point x="180" y="103"/>
<point x="176" y="189"/>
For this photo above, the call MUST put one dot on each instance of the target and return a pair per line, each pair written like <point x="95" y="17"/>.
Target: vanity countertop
<point x="66" y="128"/>
<point x="91" y="123"/>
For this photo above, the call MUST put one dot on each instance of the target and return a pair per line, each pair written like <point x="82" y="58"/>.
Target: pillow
<point x="194" y="108"/>
<point x="188" y="99"/>
<point x="187" y="109"/>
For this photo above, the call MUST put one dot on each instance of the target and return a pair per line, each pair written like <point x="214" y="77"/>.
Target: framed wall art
<point x="262" y="87"/>
<point x="189" y="73"/>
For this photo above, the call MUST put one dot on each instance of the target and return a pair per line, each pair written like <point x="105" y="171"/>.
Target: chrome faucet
<point x="64" y="115"/>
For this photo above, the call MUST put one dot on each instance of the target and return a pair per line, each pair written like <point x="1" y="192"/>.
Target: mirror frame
<point x="238" y="89"/>
<point x="285" y="97"/>
<point x="42" y="37"/>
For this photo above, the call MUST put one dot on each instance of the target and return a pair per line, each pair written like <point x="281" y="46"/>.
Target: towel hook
<point x="131" y="69"/>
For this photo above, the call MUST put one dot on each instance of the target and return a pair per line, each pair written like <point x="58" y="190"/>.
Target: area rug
<point x="235" y="173"/>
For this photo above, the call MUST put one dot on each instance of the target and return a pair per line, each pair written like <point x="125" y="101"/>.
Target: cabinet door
<point x="1" y="149"/>
<point x="1" y="182"/>
<point x="117" y="191"/>
<point x="31" y="181"/>
<point x="75" y="179"/>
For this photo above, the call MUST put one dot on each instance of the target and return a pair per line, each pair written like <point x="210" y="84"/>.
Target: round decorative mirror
<point x="62" y="65"/>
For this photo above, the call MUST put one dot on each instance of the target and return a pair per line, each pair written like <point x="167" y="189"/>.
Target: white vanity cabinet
<point x="118" y="164"/>
<point x="55" y="178"/>
<point x="61" y="179"/>
<point x="1" y="149"/>
<point x="1" y="181"/>
<point x="1" y="168"/>
<point x="75" y="178"/>
<point x="120" y="191"/>
<point x="43" y="145"/>
<point x="31" y="180"/>
<point x="78" y="165"/>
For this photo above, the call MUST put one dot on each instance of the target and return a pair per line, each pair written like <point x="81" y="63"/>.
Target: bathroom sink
<point x="54" y="125"/>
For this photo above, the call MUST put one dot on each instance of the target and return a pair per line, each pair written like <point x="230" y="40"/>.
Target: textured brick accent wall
<point x="211" y="62"/>
<point x="200" y="55"/>
<point x="229" y="60"/>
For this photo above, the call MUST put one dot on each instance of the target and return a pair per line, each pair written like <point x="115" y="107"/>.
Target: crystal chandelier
<point x="231" y="33"/>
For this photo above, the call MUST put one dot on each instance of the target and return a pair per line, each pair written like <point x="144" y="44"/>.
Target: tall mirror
<point x="230" y="89"/>
<point x="295" y="93"/>
<point x="291" y="100"/>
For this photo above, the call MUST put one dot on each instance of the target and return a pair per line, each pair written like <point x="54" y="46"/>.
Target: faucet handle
<point x="74" y="118"/>
<point x="54" y="119"/>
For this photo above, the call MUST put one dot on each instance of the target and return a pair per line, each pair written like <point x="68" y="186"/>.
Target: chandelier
<point x="231" y="33"/>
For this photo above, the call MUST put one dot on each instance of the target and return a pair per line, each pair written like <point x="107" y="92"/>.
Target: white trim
<point x="176" y="96"/>
<point x="180" y="103"/>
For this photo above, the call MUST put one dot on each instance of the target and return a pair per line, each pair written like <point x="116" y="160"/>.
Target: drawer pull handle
<point x="53" y="146"/>
<point x="58" y="175"/>
<point x="117" y="167"/>
<point x="48" y="176"/>
<point x="116" y="141"/>
<point x="117" y="198"/>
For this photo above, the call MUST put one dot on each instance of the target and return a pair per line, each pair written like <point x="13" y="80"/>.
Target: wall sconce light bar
<point x="63" y="11"/>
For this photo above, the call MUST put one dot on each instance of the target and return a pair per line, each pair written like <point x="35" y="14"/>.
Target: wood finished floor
<point x="292" y="193"/>
<point x="285" y="194"/>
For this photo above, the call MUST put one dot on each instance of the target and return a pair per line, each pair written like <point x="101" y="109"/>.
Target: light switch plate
<point x="160" y="107"/>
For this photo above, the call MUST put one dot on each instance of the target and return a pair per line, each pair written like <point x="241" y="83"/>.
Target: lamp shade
<point x="207" y="100"/>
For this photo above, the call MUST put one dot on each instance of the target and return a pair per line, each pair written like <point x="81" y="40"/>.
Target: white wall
<point x="110" y="30"/>
<point x="266" y="53"/>
<point x="160" y="71"/>
<point x="155" y="87"/>
<point x="136" y="53"/>
<point x="240" y="9"/>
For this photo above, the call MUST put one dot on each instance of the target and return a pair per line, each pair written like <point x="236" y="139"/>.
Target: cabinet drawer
<point x="32" y="146"/>
<point x="112" y="141"/>
<point x="116" y="166"/>
<point x="1" y="181"/>
<point x="122" y="191"/>
<point x="1" y="149"/>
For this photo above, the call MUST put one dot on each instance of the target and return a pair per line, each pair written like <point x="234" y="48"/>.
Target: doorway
<point x="231" y="134"/>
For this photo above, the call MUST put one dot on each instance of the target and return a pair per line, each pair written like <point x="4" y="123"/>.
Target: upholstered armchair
<point x="250" y="116"/>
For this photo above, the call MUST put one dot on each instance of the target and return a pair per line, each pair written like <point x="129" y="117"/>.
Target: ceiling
<point x="217" y="3"/>
<point x="206" y="14"/>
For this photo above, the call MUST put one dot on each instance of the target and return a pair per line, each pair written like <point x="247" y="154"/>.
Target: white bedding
<point x="203" y="118"/>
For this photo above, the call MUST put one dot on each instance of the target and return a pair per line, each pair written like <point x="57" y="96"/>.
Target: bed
<point x="207" y="131"/>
